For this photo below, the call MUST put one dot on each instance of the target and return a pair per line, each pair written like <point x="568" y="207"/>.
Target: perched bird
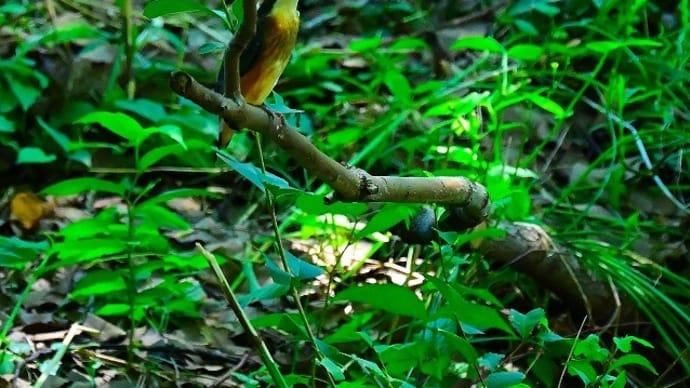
<point x="266" y="56"/>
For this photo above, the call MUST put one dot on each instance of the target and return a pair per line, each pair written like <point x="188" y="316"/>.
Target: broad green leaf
<point x="160" y="216"/>
<point x="388" y="297"/>
<point x="174" y="132"/>
<point x="315" y="204"/>
<point x="369" y="367"/>
<point x="504" y="379"/>
<point x="149" y="109"/>
<point x="461" y="345"/>
<point x="155" y="155"/>
<point x="473" y="314"/>
<point x="548" y="105"/>
<point x="582" y="369"/>
<point x="58" y="137"/>
<point x="94" y="249"/>
<point x="34" y="155"/>
<point x="333" y="368"/>
<point x="459" y="106"/>
<point x="386" y="218"/>
<point x="480" y="43"/>
<point x="365" y="44"/>
<point x="399" y="86"/>
<point x="80" y="185"/>
<point x="158" y="8"/>
<point x="62" y="34"/>
<point x="624" y="344"/>
<point x="16" y="253"/>
<point x="288" y="322"/>
<point x="606" y="46"/>
<point x="632" y="359"/>
<point x="25" y="93"/>
<point x="270" y="291"/>
<point x="90" y="227"/>
<point x="252" y="173"/>
<point x="279" y="275"/>
<point x="98" y="282"/>
<point x="118" y="123"/>
<point x="526" y="52"/>
<point x="591" y="349"/>
<point x="525" y="323"/>
<point x="491" y="360"/>
<point x="400" y="358"/>
<point x="113" y="309"/>
<point x="301" y="269"/>
<point x="6" y="126"/>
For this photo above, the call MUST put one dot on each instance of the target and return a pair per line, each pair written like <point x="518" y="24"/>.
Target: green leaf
<point x="606" y="46"/>
<point x="583" y="369"/>
<point x="504" y="379"/>
<point x="173" y="132"/>
<point x="262" y="293"/>
<point x="368" y="366"/>
<point x="253" y="173"/>
<point x="632" y="359"/>
<point x="288" y="322"/>
<point x="526" y="27"/>
<point x="526" y="52"/>
<point x="6" y="126"/>
<point x="365" y="44"/>
<point x="333" y="368"/>
<point x="459" y="106"/>
<point x="16" y="253"/>
<point x="80" y="185"/>
<point x="525" y="323"/>
<point x="58" y="137"/>
<point x="386" y="218"/>
<point x="113" y="309"/>
<point x="62" y="34"/>
<point x="461" y="345"/>
<point x="118" y="123"/>
<point x="314" y="204"/>
<point x="388" y="297"/>
<point x="34" y="155"/>
<point x="98" y="282"/>
<point x="591" y="349"/>
<point x="301" y="269"/>
<point x="159" y="8"/>
<point x="399" y="86"/>
<point x="479" y="316"/>
<point x="491" y="361"/>
<point x="83" y="250"/>
<point x="149" y="109"/>
<point x="161" y="216"/>
<point x="548" y="105"/>
<point x="480" y="43"/>
<point x="625" y="344"/>
<point x="279" y="275"/>
<point x="25" y="93"/>
<point x="155" y="155"/>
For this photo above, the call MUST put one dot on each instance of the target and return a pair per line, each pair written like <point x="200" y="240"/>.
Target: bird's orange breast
<point x="280" y="35"/>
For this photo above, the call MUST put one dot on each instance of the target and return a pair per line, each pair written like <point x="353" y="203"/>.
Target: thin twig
<point x="234" y="303"/>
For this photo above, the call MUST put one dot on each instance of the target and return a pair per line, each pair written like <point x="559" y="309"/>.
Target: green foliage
<point x="372" y="104"/>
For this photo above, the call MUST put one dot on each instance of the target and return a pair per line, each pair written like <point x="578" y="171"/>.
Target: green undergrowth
<point x="598" y="82"/>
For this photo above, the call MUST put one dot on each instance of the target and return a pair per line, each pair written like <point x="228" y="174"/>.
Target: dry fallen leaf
<point x="29" y="209"/>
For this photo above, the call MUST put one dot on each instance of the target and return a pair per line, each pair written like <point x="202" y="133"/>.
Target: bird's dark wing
<point x="253" y="49"/>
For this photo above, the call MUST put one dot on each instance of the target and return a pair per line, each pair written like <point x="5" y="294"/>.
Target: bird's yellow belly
<point x="258" y="83"/>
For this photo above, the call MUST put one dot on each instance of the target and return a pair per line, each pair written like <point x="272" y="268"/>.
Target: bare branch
<point x="235" y="48"/>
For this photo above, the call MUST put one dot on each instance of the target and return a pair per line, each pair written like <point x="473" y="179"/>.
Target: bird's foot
<point x="277" y="119"/>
